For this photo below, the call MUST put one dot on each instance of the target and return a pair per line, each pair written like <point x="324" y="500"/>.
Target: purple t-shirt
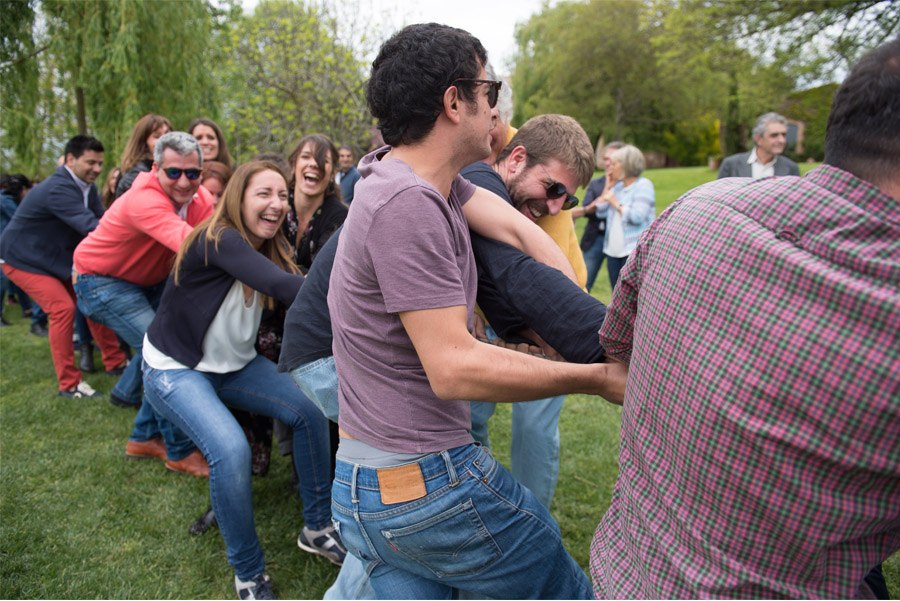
<point x="404" y="247"/>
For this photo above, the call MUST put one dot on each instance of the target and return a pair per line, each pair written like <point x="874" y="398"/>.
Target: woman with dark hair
<point x="108" y="193"/>
<point x="211" y="140"/>
<point x="316" y="210"/>
<point x="215" y="177"/>
<point x="199" y="359"/>
<point x="138" y="154"/>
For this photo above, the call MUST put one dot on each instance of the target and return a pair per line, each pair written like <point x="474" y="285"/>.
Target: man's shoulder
<point x="483" y="175"/>
<point x="737" y="157"/>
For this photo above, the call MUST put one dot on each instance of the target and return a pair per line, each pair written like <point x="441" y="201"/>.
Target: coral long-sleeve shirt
<point x="139" y="235"/>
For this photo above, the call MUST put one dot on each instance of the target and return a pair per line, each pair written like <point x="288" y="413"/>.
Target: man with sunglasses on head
<point x="122" y="267"/>
<point x="537" y="172"/>
<point x="425" y="509"/>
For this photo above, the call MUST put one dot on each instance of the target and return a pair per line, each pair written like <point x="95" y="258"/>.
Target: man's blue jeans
<point x="129" y="309"/>
<point x="476" y="529"/>
<point x="318" y="381"/>
<point x="196" y="402"/>
<point x="534" y="452"/>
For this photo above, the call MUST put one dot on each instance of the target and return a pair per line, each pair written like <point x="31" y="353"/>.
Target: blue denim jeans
<point x="196" y="402"/>
<point x="593" y="260"/>
<point x="476" y="529"/>
<point x="534" y="453"/>
<point x="318" y="381"/>
<point x="129" y="309"/>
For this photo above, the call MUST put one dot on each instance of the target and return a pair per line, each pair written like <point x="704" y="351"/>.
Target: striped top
<point x="760" y="441"/>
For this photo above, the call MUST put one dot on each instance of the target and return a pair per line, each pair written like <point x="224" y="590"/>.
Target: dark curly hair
<point x="863" y="131"/>
<point x="412" y="71"/>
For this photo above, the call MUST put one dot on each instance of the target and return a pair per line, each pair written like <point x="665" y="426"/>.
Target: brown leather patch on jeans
<point x="401" y="484"/>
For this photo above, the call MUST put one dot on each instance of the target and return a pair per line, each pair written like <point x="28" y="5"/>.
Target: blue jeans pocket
<point x="454" y="542"/>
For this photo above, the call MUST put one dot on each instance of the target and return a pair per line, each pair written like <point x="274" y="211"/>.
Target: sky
<point x="491" y="21"/>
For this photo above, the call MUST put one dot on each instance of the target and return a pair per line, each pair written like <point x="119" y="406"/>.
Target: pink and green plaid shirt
<point x="760" y="444"/>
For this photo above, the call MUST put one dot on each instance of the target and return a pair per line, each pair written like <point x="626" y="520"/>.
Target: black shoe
<point x="118" y="370"/>
<point x="39" y="330"/>
<point x="204" y="523"/>
<point x="120" y="402"/>
<point x="86" y="362"/>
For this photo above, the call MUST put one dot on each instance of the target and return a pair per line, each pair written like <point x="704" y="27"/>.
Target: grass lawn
<point x="79" y="520"/>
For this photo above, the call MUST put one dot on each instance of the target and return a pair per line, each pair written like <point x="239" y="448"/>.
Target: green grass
<point x="79" y="520"/>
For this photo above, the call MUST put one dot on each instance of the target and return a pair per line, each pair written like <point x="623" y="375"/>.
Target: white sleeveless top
<point x="229" y="342"/>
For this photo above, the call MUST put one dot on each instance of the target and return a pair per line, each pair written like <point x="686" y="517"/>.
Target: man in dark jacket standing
<point x="37" y="248"/>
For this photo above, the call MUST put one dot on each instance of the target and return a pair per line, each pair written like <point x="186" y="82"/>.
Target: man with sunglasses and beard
<point x="425" y="509"/>
<point x="122" y="267"/>
<point x="537" y="173"/>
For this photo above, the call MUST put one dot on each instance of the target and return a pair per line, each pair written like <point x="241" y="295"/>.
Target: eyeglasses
<point x="174" y="173"/>
<point x="493" y="88"/>
<point x="556" y="189"/>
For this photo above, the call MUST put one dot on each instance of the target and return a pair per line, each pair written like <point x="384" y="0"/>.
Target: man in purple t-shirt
<point x="424" y="508"/>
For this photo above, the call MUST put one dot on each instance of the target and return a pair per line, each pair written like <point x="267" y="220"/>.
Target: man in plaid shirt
<point x="760" y="445"/>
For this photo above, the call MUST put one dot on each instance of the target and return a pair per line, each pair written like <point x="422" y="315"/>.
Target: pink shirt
<point x="139" y="235"/>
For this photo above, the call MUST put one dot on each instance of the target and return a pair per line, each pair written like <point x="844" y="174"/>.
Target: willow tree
<point x="20" y="151"/>
<point x="287" y="75"/>
<point x="102" y="64"/>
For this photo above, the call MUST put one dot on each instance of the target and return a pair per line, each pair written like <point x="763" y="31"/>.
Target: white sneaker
<point x="83" y="390"/>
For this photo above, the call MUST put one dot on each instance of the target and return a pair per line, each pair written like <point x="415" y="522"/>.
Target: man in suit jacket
<point x="765" y="160"/>
<point x="37" y="248"/>
<point x="347" y="175"/>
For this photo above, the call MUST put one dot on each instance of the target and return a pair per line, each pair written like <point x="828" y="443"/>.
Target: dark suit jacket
<point x="48" y="225"/>
<point x="737" y="166"/>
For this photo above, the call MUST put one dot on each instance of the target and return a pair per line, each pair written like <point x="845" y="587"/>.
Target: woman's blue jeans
<point x="476" y="529"/>
<point x="196" y="403"/>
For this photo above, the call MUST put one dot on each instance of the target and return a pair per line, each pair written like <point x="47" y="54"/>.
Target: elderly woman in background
<point x="628" y="203"/>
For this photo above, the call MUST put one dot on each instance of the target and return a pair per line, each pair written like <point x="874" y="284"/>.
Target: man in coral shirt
<point x="122" y="267"/>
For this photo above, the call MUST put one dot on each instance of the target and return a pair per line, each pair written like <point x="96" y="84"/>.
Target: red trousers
<point x="57" y="298"/>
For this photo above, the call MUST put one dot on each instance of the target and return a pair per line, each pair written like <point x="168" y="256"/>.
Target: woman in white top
<point x="199" y="356"/>
<point x="628" y="203"/>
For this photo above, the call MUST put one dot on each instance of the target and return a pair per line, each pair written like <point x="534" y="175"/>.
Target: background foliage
<point x="682" y="78"/>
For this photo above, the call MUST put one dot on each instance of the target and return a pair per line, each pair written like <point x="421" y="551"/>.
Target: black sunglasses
<point x="556" y="189"/>
<point x="493" y="88"/>
<point x="174" y="173"/>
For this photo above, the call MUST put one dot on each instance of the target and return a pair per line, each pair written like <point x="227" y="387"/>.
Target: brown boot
<point x="154" y="448"/>
<point x="194" y="464"/>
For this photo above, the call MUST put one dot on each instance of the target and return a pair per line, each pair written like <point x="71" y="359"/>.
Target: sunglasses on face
<point x="493" y="88"/>
<point x="556" y="189"/>
<point x="174" y="173"/>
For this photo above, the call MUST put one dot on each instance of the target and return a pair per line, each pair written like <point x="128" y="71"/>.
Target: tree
<point x="103" y="64"/>
<point x="288" y="75"/>
<point x="19" y="88"/>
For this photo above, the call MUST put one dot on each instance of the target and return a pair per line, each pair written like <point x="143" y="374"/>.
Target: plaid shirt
<point x="760" y="442"/>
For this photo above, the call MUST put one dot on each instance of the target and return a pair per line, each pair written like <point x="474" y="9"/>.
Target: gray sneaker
<point x="326" y="542"/>
<point x="258" y="587"/>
